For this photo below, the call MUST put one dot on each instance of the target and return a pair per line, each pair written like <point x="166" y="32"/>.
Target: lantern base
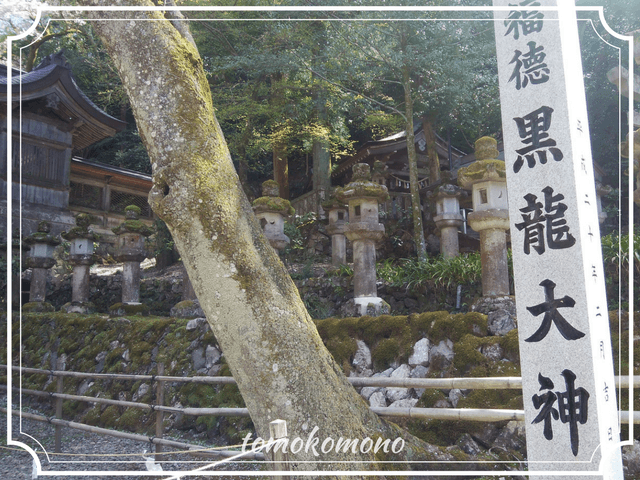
<point x="122" y="309"/>
<point x="78" y="307"/>
<point x="360" y="306"/>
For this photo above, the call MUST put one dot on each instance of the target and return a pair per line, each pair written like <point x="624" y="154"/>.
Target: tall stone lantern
<point x="486" y="177"/>
<point x="338" y="217"/>
<point x="40" y="259"/>
<point x="130" y="251"/>
<point x="363" y="195"/>
<point x="448" y="218"/>
<point x="272" y="211"/>
<point x="81" y="256"/>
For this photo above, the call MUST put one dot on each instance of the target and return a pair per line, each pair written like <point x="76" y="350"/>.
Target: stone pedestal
<point x="338" y="217"/>
<point x="486" y="177"/>
<point x="448" y="218"/>
<point x="363" y="230"/>
<point x="40" y="260"/>
<point x="81" y="256"/>
<point x="130" y="251"/>
<point x="272" y="211"/>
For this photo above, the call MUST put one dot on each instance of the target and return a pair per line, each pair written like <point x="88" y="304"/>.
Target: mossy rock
<point x="122" y="309"/>
<point x="38" y="307"/>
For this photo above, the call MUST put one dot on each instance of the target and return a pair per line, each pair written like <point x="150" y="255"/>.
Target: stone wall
<point x="428" y="345"/>
<point x="158" y="293"/>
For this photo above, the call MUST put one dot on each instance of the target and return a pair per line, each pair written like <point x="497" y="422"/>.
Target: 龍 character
<point x="558" y="235"/>
<point x="535" y="223"/>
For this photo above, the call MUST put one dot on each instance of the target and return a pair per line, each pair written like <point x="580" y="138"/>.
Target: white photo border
<point x="414" y="9"/>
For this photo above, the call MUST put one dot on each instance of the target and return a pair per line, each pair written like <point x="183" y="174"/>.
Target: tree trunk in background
<point x="282" y="368"/>
<point x="321" y="151"/>
<point x="414" y="188"/>
<point x="432" y="150"/>
<point x="281" y="168"/>
<point x="279" y="147"/>
<point x="321" y="147"/>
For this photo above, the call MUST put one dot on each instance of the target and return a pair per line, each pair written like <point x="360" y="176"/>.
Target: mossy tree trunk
<point x="432" y="149"/>
<point x="271" y="344"/>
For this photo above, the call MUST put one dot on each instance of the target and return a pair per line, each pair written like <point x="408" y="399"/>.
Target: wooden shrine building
<point x="51" y="121"/>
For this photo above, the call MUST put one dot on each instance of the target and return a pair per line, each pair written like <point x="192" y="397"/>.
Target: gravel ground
<point x="87" y="452"/>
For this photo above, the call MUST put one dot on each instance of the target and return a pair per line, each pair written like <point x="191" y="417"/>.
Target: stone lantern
<point x="272" y="211"/>
<point x="40" y="260"/>
<point x="486" y="177"/>
<point x="448" y="218"/>
<point x="338" y="217"/>
<point x="81" y="256"/>
<point x="362" y="195"/>
<point x="130" y="251"/>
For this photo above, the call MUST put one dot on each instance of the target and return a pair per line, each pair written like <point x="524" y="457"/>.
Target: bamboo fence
<point x="483" y="415"/>
<point x="188" y="447"/>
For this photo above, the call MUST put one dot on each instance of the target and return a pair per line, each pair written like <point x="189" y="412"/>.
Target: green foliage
<point x="434" y="273"/>
<point x="617" y="250"/>
<point x="298" y="230"/>
<point x="342" y="270"/>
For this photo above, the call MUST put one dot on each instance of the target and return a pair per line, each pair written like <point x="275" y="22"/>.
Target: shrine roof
<point x="53" y="82"/>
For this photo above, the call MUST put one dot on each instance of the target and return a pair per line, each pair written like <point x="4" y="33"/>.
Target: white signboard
<point x="565" y="345"/>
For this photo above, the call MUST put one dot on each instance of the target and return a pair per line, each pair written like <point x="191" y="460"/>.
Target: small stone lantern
<point x="363" y="230"/>
<point x="338" y="217"/>
<point x="40" y="260"/>
<point x="81" y="256"/>
<point x="448" y="218"/>
<point x="486" y="177"/>
<point x="130" y="251"/>
<point x="272" y="211"/>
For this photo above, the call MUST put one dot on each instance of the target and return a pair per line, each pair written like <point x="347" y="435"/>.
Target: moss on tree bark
<point x="282" y="368"/>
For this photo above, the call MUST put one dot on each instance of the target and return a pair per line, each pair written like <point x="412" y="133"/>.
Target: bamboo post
<point x="59" y="389"/>
<point x="159" y="413"/>
<point x="277" y="431"/>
